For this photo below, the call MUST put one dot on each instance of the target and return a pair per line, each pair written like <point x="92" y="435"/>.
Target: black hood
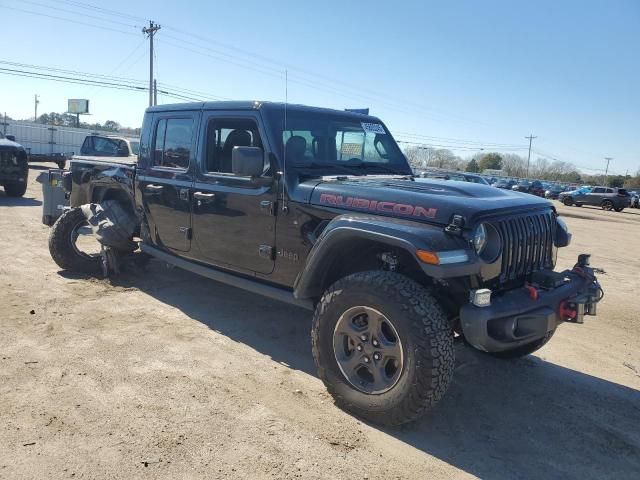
<point x="429" y="200"/>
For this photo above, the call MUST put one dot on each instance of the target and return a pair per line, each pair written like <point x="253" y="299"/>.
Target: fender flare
<point x="396" y="233"/>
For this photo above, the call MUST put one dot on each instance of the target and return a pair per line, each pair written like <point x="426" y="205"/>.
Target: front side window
<point x="225" y="134"/>
<point x="172" y="147"/>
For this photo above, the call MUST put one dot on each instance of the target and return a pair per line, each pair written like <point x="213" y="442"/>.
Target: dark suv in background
<point x="534" y="188"/>
<point x="608" y="198"/>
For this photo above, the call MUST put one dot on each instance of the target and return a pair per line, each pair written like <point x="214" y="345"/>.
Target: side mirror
<point x="247" y="161"/>
<point x="11" y="137"/>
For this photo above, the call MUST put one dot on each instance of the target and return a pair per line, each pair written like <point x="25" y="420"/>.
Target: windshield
<point x="334" y="143"/>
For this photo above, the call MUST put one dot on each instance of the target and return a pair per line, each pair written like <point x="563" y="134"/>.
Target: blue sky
<point x="478" y="72"/>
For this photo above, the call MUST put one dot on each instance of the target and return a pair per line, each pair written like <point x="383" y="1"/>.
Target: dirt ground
<point x="159" y="373"/>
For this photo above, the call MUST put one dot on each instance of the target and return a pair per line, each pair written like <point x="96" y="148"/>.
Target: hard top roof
<point x="253" y="105"/>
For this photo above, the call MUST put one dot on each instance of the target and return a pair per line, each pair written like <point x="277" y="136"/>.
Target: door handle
<point x="204" y="196"/>
<point x="153" y="188"/>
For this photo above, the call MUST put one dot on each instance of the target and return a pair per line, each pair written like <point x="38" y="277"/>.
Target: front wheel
<point x="383" y="347"/>
<point x="568" y="201"/>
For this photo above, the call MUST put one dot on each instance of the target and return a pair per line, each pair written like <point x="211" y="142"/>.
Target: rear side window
<point x="598" y="190"/>
<point x="172" y="146"/>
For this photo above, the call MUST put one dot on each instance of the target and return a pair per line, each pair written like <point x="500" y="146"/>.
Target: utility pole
<point x="608" y="159"/>
<point x="150" y="32"/>
<point x="530" y="137"/>
<point x="36" y="102"/>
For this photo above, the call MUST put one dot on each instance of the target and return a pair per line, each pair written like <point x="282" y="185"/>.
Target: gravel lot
<point x="159" y="373"/>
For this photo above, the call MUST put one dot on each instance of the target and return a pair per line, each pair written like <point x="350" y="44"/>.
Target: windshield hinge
<point x="456" y="225"/>
<point x="268" y="207"/>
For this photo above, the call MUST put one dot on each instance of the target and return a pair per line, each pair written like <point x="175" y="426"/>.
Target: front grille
<point x="527" y="244"/>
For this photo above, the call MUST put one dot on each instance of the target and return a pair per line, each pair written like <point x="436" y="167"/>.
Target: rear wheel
<point x="524" y="350"/>
<point x="607" y="205"/>
<point x="72" y="245"/>
<point x="619" y="209"/>
<point x="15" y="189"/>
<point x="383" y="347"/>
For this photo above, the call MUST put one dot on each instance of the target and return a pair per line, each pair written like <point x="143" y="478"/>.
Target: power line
<point x="64" y="19"/>
<point x="99" y="83"/>
<point x="80" y="14"/>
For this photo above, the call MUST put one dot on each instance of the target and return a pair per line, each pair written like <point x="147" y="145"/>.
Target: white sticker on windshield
<point x="373" y="128"/>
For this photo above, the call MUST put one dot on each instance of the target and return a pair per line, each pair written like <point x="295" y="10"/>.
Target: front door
<point x="233" y="216"/>
<point x="165" y="184"/>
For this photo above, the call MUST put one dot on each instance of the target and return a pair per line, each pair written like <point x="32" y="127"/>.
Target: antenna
<point x="285" y="207"/>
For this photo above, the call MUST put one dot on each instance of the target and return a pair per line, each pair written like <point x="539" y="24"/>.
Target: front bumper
<point x="518" y="317"/>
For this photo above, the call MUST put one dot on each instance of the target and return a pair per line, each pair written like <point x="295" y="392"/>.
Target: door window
<point x="598" y="190"/>
<point x="222" y="136"/>
<point x="172" y="147"/>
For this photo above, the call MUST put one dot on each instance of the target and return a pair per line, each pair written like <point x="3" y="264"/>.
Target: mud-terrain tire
<point x="62" y="249"/>
<point x="424" y="338"/>
<point x="524" y="350"/>
<point x="15" y="189"/>
<point x="568" y="201"/>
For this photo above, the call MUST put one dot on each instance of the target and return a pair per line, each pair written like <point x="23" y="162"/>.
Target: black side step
<point x="253" y="286"/>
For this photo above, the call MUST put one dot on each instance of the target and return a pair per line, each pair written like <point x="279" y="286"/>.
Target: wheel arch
<point x="350" y="244"/>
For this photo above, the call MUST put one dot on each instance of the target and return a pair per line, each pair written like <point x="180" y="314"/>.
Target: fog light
<point x="480" y="297"/>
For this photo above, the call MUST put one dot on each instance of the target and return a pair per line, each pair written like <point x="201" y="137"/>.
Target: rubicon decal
<point x="376" y="206"/>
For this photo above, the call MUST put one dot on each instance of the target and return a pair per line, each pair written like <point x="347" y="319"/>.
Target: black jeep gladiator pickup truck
<point x="319" y="208"/>
<point x="14" y="167"/>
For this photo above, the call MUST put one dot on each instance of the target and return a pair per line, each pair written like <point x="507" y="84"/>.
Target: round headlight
<point x="480" y="238"/>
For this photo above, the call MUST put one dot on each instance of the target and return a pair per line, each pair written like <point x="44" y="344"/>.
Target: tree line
<point x="70" y="120"/>
<point x="513" y="165"/>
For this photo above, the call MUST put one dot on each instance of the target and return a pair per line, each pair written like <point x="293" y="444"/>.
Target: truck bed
<point x="120" y="161"/>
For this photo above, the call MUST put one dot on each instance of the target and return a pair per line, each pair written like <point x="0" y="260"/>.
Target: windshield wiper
<point x="329" y="166"/>
<point x="384" y="168"/>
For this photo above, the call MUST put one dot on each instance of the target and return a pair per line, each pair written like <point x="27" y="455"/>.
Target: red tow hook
<point x="533" y="292"/>
<point x="566" y="311"/>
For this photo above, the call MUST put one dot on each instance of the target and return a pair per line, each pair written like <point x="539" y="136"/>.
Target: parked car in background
<point x="608" y="198"/>
<point x="109" y="146"/>
<point x="635" y="199"/>
<point x="504" y="183"/>
<point x="553" y="191"/>
<point x="533" y="187"/>
<point x="14" y="169"/>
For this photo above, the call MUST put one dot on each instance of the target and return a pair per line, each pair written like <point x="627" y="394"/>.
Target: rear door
<point x="233" y="216"/>
<point x="596" y="196"/>
<point x="165" y="183"/>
